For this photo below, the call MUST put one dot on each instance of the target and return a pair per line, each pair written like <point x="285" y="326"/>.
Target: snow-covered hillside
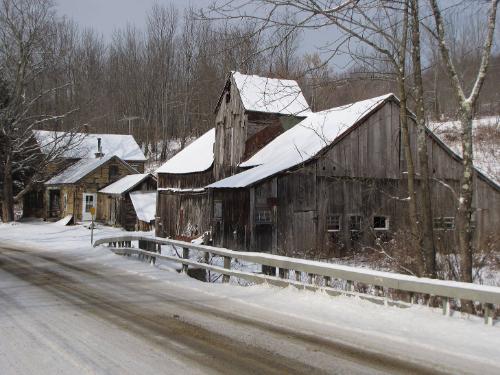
<point x="486" y="132"/>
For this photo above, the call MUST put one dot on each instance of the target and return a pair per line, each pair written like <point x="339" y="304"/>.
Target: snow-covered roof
<point x="125" y="184"/>
<point x="144" y="203"/>
<point x="271" y="95"/>
<point x="80" y="169"/>
<point x="301" y="143"/>
<point x="122" y="145"/>
<point x="198" y="156"/>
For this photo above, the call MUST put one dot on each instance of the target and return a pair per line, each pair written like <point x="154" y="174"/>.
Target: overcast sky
<point x="105" y="16"/>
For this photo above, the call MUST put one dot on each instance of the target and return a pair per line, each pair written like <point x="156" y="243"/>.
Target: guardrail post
<point x="446" y="306"/>
<point x="185" y="255"/>
<point x="227" y="265"/>
<point x="488" y="314"/>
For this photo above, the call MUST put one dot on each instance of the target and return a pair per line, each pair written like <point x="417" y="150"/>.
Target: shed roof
<point x="125" y="184"/>
<point x="85" y="145"/>
<point x="198" y="156"/>
<point x="144" y="203"/>
<point x="271" y="95"/>
<point x="302" y="142"/>
<point x="82" y="168"/>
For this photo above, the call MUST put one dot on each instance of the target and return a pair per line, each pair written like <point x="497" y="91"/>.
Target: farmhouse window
<point x="263" y="216"/>
<point x="218" y="210"/>
<point x="380" y="223"/>
<point x="113" y="171"/>
<point x="355" y="223"/>
<point x="333" y="223"/>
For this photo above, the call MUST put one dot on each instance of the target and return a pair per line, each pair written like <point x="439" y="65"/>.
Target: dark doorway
<point x="54" y="203"/>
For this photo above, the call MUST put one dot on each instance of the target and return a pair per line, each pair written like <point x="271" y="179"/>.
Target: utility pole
<point x="130" y="119"/>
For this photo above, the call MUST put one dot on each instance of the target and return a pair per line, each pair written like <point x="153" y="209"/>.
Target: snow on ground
<point x="486" y="133"/>
<point x="418" y="326"/>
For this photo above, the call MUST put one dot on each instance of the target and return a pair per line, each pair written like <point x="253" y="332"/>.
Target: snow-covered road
<point x="72" y="309"/>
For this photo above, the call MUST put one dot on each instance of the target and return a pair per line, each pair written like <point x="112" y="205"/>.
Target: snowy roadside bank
<point x="415" y="327"/>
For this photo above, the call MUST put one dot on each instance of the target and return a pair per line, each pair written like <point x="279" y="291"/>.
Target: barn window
<point x="263" y="216"/>
<point x="355" y="223"/>
<point x="218" y="210"/>
<point x="448" y="223"/>
<point x="333" y="223"/>
<point x="380" y="223"/>
<point x="113" y="171"/>
<point x="444" y="223"/>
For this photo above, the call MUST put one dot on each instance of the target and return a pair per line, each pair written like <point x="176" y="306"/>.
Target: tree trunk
<point x="410" y="170"/>
<point x="464" y="212"/>
<point x="8" y="193"/>
<point x="405" y="140"/>
<point x="427" y="243"/>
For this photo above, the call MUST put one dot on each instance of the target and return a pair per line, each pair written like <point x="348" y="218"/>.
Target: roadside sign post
<point x="92" y="214"/>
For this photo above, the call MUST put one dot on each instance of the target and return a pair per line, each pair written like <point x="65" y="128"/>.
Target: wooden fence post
<point x="227" y="265"/>
<point x="185" y="255"/>
<point x="488" y="314"/>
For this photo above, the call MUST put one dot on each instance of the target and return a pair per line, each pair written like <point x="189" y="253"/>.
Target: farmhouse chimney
<point x="99" y="153"/>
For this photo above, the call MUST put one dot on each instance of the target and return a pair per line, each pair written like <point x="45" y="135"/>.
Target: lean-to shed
<point x="118" y="208"/>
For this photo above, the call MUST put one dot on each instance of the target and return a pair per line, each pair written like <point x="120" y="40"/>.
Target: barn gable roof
<point x="85" y="145"/>
<point x="302" y="142"/>
<point x="269" y="95"/>
<point x="82" y="168"/>
<point x="198" y="156"/>
<point x="125" y="184"/>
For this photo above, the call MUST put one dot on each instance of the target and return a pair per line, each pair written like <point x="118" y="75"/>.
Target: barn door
<point x="89" y="201"/>
<point x="304" y="230"/>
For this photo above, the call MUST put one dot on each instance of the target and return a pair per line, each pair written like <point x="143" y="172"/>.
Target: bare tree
<point x="27" y="30"/>
<point x="466" y="111"/>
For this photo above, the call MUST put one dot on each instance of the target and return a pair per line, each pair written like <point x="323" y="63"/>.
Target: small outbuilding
<point x="74" y="190"/>
<point x="117" y="204"/>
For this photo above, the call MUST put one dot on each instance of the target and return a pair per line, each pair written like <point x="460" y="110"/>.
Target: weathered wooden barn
<point x="80" y="146"/>
<point x="251" y="111"/>
<point x="282" y="179"/>
<point x="74" y="190"/>
<point x="335" y="181"/>
<point x="118" y="208"/>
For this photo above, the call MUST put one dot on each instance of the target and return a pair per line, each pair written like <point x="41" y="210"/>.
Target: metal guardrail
<point x="446" y="290"/>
